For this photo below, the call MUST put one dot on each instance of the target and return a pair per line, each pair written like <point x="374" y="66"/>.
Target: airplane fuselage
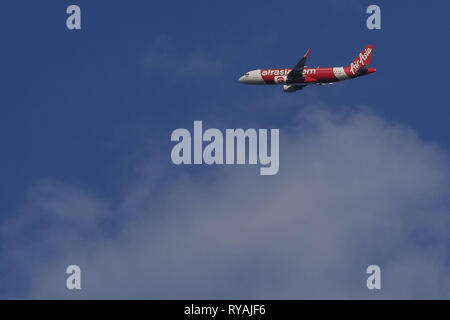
<point x="311" y="75"/>
<point x="296" y="78"/>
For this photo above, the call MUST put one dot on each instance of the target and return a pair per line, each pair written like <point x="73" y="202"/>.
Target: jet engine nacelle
<point x="291" y="87"/>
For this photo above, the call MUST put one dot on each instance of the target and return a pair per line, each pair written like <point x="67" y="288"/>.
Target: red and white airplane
<point x="300" y="76"/>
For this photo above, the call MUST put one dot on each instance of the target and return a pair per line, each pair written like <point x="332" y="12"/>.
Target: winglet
<point x="307" y="54"/>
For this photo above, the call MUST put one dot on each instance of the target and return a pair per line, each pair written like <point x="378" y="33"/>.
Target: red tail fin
<point x="363" y="59"/>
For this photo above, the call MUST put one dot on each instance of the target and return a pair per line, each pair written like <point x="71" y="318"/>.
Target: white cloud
<point x="352" y="191"/>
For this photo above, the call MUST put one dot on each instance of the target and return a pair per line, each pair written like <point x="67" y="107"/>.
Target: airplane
<point x="300" y="76"/>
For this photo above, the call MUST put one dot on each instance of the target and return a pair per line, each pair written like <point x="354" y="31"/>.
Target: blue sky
<point x="94" y="109"/>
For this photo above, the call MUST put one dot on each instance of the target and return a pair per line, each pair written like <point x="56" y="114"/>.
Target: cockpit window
<point x="247" y="74"/>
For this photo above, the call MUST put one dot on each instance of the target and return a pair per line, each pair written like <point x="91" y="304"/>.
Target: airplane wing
<point x="297" y="72"/>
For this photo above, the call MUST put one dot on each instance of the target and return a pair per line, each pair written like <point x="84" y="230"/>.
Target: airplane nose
<point x="241" y="79"/>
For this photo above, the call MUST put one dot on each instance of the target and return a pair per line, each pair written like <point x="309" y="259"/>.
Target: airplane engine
<point x="291" y="87"/>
